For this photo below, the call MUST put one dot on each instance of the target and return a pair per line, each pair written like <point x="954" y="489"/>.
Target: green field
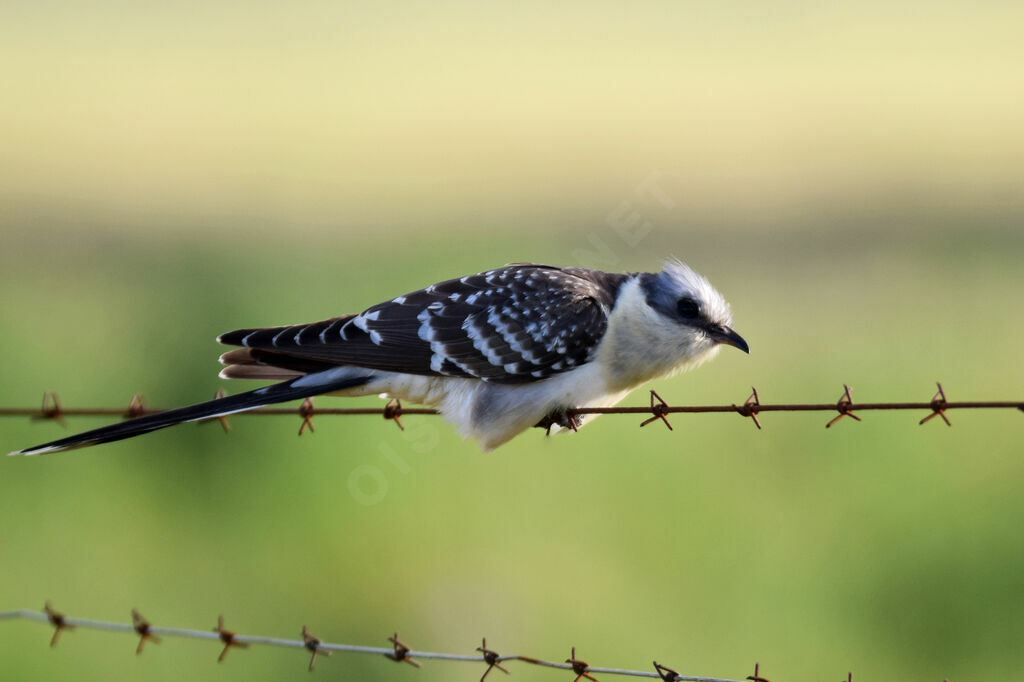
<point x="883" y="547"/>
<point x="849" y="175"/>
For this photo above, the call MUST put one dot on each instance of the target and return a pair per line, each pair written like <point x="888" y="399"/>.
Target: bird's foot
<point x="560" y="417"/>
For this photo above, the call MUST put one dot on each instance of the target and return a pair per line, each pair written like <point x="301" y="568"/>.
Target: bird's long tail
<point x="335" y="379"/>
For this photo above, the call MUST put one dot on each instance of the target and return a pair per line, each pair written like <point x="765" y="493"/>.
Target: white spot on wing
<point x="425" y="332"/>
<point x="278" y="335"/>
<point x="323" y="334"/>
<point x="483" y="341"/>
<point x="511" y="336"/>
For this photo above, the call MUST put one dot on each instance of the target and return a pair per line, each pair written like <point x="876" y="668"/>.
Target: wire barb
<point x="665" y="673"/>
<point x="660" y="411"/>
<point x="751" y="407"/>
<point x="313" y="644"/>
<point x="845" y="406"/>
<point x="938" y="405"/>
<point x="142" y="629"/>
<point x="306" y="411"/>
<point x="136" y="407"/>
<point x="490" y="658"/>
<point x="579" y="667"/>
<point x="51" y="408"/>
<point x="228" y="637"/>
<point x="393" y="411"/>
<point x="401" y="652"/>
<point x="225" y="423"/>
<point x="59" y="622"/>
<point x="756" y="677"/>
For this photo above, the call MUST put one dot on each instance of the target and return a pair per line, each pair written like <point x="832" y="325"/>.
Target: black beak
<point x="723" y="334"/>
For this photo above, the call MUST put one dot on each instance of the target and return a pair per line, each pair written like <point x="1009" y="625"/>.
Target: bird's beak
<point x="727" y="336"/>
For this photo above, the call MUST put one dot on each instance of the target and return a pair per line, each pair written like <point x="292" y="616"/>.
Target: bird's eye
<point x="687" y="307"/>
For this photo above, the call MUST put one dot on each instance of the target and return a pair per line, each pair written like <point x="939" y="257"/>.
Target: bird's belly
<point x="431" y="391"/>
<point x="493" y="413"/>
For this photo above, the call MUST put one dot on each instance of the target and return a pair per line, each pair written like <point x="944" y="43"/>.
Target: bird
<point x="496" y="352"/>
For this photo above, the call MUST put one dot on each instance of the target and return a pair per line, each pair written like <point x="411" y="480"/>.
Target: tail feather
<point x="303" y="387"/>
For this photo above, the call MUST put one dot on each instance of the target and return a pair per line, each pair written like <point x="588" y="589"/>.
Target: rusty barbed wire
<point x="398" y="651"/>
<point x="53" y="409"/>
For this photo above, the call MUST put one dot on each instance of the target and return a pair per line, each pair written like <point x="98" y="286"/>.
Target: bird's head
<point x="691" y="311"/>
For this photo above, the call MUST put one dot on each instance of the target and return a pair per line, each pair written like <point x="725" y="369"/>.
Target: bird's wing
<point x="515" y="324"/>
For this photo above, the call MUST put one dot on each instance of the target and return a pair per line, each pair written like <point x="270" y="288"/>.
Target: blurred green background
<point x="849" y="175"/>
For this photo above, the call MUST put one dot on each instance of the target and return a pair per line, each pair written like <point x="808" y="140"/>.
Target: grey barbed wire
<point x="399" y="652"/>
<point x="659" y="409"/>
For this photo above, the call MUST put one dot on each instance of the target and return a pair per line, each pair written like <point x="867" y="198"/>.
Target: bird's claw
<point x="560" y="417"/>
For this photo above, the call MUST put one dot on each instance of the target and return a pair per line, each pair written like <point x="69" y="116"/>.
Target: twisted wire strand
<point x="398" y="652"/>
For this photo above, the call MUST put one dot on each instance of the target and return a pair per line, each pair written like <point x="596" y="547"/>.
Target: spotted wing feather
<point x="514" y="324"/>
